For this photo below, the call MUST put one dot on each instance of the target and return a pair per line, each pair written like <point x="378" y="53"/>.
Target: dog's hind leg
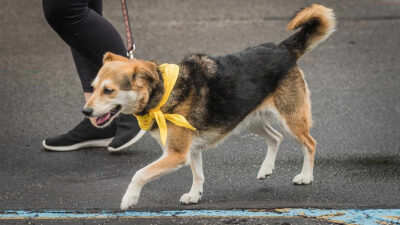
<point x="195" y="193"/>
<point x="273" y="139"/>
<point x="300" y="130"/>
<point x="292" y="101"/>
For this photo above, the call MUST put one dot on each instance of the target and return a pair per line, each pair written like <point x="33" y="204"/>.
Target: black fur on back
<point x="240" y="82"/>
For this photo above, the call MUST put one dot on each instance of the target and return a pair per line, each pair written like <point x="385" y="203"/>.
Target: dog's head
<point x="121" y="86"/>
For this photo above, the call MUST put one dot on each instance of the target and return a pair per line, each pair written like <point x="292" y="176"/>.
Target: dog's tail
<point x="317" y="22"/>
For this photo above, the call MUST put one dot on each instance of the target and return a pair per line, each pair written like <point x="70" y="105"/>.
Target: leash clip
<point x="130" y="51"/>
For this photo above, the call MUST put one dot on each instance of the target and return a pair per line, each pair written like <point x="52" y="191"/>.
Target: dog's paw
<point x="264" y="172"/>
<point x="191" y="198"/>
<point x="303" y="179"/>
<point x="128" y="201"/>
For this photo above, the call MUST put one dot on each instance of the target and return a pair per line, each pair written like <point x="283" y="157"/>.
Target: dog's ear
<point x="109" y="57"/>
<point x="150" y="69"/>
<point x="145" y="71"/>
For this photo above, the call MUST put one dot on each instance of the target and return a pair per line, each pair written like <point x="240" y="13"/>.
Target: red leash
<point x="129" y="37"/>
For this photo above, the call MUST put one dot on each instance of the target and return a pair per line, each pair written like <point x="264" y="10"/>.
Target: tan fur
<point x="116" y="69"/>
<point x="292" y="101"/>
<point x="323" y="14"/>
<point x="175" y="156"/>
<point x="179" y="138"/>
<point x="109" y="57"/>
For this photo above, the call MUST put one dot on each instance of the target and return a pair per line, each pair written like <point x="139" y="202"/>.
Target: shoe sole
<point x="129" y="143"/>
<point x="86" y="144"/>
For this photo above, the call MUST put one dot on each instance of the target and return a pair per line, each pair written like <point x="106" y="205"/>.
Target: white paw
<point x="264" y="172"/>
<point x="303" y="179"/>
<point x="190" y="198"/>
<point x="129" y="200"/>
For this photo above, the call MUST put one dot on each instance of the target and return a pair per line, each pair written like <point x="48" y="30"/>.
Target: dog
<point x="217" y="95"/>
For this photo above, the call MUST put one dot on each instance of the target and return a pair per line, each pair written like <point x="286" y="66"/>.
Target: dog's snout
<point x="87" y="111"/>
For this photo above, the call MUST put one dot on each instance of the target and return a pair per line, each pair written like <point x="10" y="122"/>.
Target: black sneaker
<point x="128" y="133"/>
<point x="83" y="135"/>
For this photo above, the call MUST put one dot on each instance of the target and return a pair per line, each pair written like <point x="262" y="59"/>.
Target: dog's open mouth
<point x="104" y="119"/>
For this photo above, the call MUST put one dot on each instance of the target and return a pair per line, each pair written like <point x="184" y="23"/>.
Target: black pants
<point x="81" y="25"/>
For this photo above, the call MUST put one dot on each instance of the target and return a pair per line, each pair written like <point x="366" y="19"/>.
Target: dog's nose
<point x="87" y="111"/>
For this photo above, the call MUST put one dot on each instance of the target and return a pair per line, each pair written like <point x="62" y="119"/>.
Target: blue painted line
<point x="347" y="216"/>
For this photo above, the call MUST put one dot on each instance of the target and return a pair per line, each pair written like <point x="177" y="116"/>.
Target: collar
<point x="170" y="74"/>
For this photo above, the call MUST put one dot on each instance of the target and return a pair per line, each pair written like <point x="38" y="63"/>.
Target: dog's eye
<point x="107" y="91"/>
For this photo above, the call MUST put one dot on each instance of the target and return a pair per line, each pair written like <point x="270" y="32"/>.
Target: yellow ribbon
<point x="170" y="74"/>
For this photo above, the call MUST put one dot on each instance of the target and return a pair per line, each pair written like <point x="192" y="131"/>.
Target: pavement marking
<point x="343" y="216"/>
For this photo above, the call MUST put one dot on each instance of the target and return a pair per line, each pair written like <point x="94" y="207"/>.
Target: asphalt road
<point x="353" y="77"/>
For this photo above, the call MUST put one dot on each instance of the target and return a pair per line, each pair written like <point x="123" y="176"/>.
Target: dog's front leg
<point x="196" y="164"/>
<point x="175" y="156"/>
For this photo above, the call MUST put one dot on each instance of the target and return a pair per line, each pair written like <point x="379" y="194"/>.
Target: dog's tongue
<point x="103" y="118"/>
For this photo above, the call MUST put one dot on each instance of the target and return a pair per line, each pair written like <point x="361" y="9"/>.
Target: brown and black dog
<point x="218" y="95"/>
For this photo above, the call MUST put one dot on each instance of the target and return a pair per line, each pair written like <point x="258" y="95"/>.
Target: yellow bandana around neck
<point x="170" y="74"/>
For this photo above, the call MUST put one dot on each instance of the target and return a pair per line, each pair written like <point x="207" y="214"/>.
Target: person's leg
<point x="86" y="70"/>
<point x="80" y="24"/>
<point x="83" y="28"/>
